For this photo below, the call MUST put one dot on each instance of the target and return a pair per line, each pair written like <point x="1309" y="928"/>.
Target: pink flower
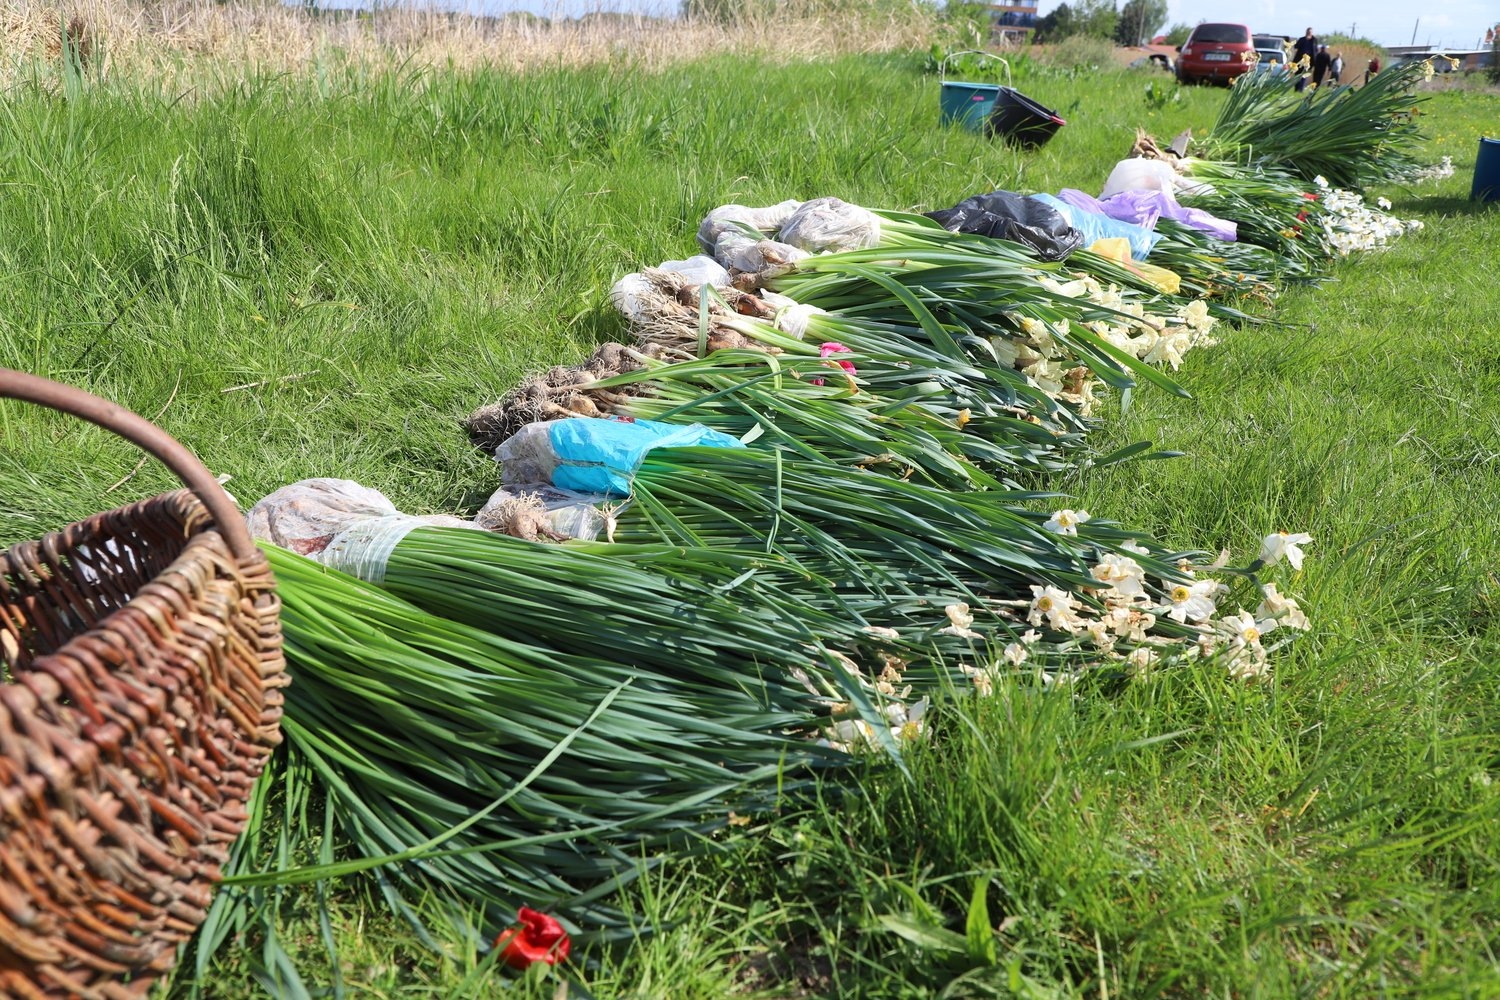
<point x="834" y="347"/>
<point x="826" y="351"/>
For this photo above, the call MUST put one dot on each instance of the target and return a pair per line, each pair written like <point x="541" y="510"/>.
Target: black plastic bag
<point x="1006" y="215"/>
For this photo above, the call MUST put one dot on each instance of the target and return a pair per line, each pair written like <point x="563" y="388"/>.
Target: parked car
<point x="1270" y="61"/>
<point x="1218" y="52"/>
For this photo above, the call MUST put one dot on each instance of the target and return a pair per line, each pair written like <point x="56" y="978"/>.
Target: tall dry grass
<point x="199" y="42"/>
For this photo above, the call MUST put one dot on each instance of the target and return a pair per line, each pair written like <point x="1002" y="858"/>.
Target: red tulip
<point x="539" y="938"/>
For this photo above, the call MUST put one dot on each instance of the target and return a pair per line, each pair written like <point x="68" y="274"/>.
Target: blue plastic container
<point x="967" y="105"/>
<point x="1487" y="171"/>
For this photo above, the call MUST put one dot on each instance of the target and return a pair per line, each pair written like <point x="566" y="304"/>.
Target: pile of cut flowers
<point x="760" y="544"/>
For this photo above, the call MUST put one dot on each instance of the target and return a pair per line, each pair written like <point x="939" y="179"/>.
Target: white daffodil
<point x="850" y="735"/>
<point x="1100" y="635"/>
<point x="1040" y="337"/>
<point x="910" y="726"/>
<point x="1281" y="608"/>
<point x="1055" y="607"/>
<point x="1015" y="654"/>
<point x="1193" y="601"/>
<point x="1116" y="336"/>
<point x="982" y="679"/>
<point x="1141" y="622"/>
<point x="1065" y="522"/>
<point x="1141" y="344"/>
<point x="1246" y="662"/>
<point x="1075" y="289"/>
<point x="1141" y="658"/>
<point x="1006" y="351"/>
<point x="1129" y="624"/>
<point x="1244" y="628"/>
<point x="1284" y="544"/>
<point x="1122" y="573"/>
<point x="1047" y="375"/>
<point x="959" y="622"/>
<point x="1169" y="348"/>
<point x="1195" y="314"/>
<point x="1081" y="395"/>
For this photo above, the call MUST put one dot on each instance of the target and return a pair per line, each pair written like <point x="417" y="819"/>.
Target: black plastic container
<point x="1021" y="121"/>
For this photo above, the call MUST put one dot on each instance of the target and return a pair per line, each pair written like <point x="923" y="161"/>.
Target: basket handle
<point x="144" y="434"/>
<point x="943" y="66"/>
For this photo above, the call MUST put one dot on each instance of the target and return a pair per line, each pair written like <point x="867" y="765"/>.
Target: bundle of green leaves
<point x="1355" y="137"/>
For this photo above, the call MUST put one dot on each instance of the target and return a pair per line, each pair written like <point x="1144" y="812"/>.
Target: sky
<point x="546" y="8"/>
<point x="1454" y="24"/>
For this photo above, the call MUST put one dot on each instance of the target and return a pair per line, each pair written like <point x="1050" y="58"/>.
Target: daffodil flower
<point x="1284" y="544"/>
<point x="1281" y="608"/>
<point x="1055" y="607"/>
<point x="1122" y="573"/>
<point x="1246" y="662"/>
<point x="1245" y="629"/>
<point x="1192" y="601"/>
<point x="1065" y="522"/>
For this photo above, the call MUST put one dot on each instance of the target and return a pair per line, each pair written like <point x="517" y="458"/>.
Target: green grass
<point x="320" y="277"/>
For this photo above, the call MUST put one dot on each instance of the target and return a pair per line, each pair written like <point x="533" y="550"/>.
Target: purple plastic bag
<point x="1144" y="207"/>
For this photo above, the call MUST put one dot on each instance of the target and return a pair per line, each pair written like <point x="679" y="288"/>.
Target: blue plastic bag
<point x="597" y="455"/>
<point x="1097" y="226"/>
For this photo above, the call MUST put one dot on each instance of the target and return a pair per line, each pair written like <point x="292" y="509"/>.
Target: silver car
<point x="1270" y="61"/>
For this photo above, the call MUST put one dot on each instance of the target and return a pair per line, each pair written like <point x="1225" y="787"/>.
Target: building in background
<point x="1012" y="22"/>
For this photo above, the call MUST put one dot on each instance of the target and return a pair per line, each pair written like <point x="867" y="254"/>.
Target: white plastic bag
<point x="698" y="269"/>
<point x="1139" y="174"/>
<point x="339" y="523"/>
<point x="1146" y="174"/>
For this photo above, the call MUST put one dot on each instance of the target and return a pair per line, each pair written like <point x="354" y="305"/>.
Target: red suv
<point x="1215" y="52"/>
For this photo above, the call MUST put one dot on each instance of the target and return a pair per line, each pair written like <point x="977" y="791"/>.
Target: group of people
<point x="1307" y="53"/>
<point x="1327" y="67"/>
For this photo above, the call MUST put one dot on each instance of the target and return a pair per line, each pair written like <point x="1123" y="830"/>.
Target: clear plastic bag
<point x="830" y="225"/>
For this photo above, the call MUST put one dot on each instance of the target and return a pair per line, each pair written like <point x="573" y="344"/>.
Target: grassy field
<point x="320" y="274"/>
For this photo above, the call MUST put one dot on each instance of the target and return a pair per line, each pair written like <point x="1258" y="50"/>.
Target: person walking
<point x="1321" y="62"/>
<point x="1336" y="70"/>
<point x="1305" y="49"/>
<point x="1372" y="69"/>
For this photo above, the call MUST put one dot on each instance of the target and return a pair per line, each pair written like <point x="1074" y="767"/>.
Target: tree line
<point x="1136" y="22"/>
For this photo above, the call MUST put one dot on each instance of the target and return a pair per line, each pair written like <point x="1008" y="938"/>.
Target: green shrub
<point x="1080" y="52"/>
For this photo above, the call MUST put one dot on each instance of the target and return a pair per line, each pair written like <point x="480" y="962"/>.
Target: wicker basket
<point x="140" y="676"/>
